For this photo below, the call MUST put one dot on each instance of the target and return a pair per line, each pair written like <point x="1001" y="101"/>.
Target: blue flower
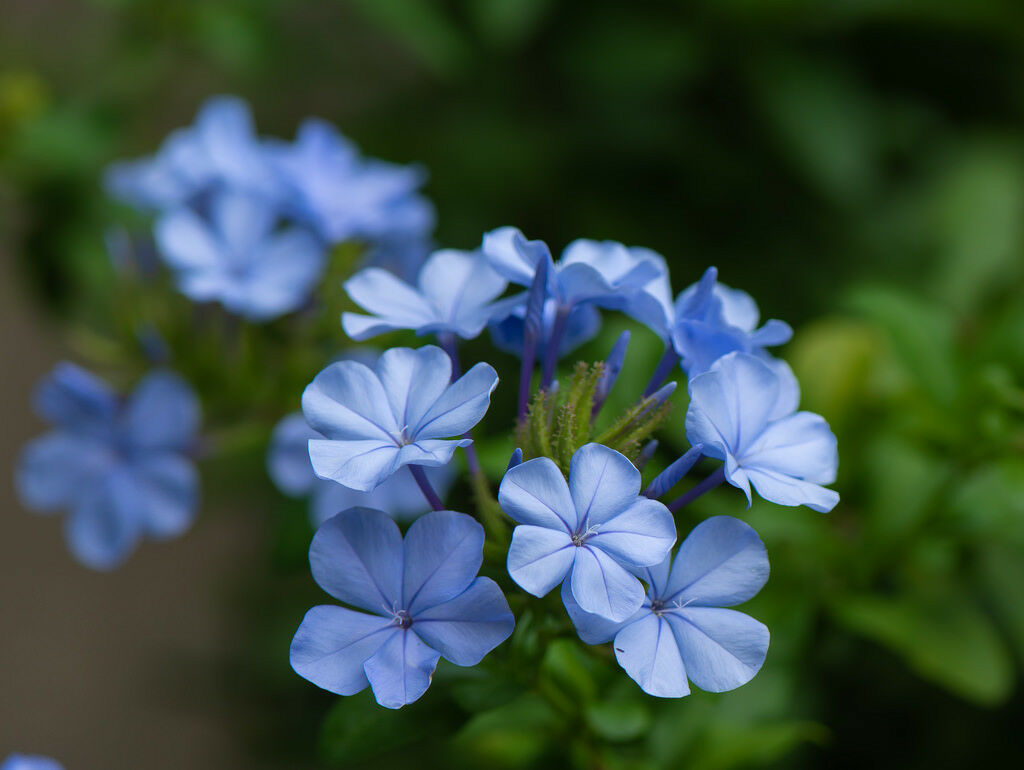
<point x="345" y="196"/>
<point x="26" y="762"/>
<point x="289" y="468"/>
<point x="120" y="467"/>
<point x="682" y="631"/>
<point x="454" y="295"/>
<point x="743" y="412"/>
<point x="220" y="151"/>
<point x="401" y="412"/>
<point x="584" y="532"/>
<point x="508" y="333"/>
<point x="237" y="258"/>
<point x="424" y="599"/>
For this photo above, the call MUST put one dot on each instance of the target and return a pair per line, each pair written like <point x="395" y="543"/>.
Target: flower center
<point x="579" y="537"/>
<point x="403" y="619"/>
<point x="657" y="607"/>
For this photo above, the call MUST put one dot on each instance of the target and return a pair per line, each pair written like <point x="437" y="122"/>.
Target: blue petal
<point x="242" y="221"/>
<point x="536" y="492"/>
<point x="648" y="651"/>
<point x="400" y="671"/>
<point x="162" y="413"/>
<point x="357" y="558"/>
<point x="786" y="490"/>
<point x="723" y="562"/>
<point x="514" y="257"/>
<point x="539" y="558"/>
<point x="332" y="644"/>
<point x="398" y="496"/>
<point x="282" y="274"/>
<point x="414" y="380"/>
<point x="639" y="536"/>
<point x="288" y="456"/>
<point x="602" y="586"/>
<point x="466" y="628"/>
<point x="801" y="446"/>
<point x="360" y="465"/>
<point x="443" y="553"/>
<point x="721" y="649"/>
<point x="507" y="331"/>
<point x="602" y="482"/>
<point x="592" y="629"/>
<point x="672" y="475"/>
<point x="346" y="401"/>
<point x="104" y="527"/>
<point x="392" y="302"/>
<point x="186" y="242"/>
<point x="460" y="285"/>
<point x="606" y="272"/>
<point x="75" y="399"/>
<point x="167" y="489"/>
<point x="53" y="469"/>
<point x="30" y="762"/>
<point x="461" y="406"/>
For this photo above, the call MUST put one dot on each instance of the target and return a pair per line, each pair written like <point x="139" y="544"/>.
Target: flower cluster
<point x="247" y="222"/>
<point x="572" y="493"/>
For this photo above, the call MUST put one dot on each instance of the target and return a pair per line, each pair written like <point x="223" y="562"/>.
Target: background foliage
<point x="857" y="166"/>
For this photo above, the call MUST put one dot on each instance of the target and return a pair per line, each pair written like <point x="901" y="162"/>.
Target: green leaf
<point x="943" y="636"/>
<point x="424" y="27"/>
<point x="569" y="670"/>
<point x="729" y="745"/>
<point x="618" y="721"/>
<point x="902" y="481"/>
<point x="1001" y="571"/>
<point x="989" y="501"/>
<point x="513" y="735"/>
<point x="357" y="729"/>
<point x="506" y="23"/>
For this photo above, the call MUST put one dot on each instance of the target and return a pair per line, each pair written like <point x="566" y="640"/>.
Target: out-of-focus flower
<point x="454" y="294"/>
<point x="121" y="467"/>
<point x="742" y="411"/>
<point x="682" y="631"/>
<point x="582" y="325"/>
<point x="289" y="468"/>
<point x="585" y="532"/>
<point x="401" y="412"/>
<point x="423" y="595"/>
<point x="30" y="762"/>
<point x="238" y="258"/>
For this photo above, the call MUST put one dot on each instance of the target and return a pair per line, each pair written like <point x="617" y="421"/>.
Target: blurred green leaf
<point x="425" y="27"/>
<point x="736" y="745"/>
<point x="618" y="720"/>
<point x="506" y="23"/>
<point x="902" y="481"/>
<point x="357" y="729"/>
<point x="512" y="735"/>
<point x="989" y="501"/>
<point x="943" y="636"/>
<point x="569" y="670"/>
<point x="1001" y="569"/>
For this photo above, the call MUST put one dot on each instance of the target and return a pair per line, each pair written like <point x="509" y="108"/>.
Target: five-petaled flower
<point x="683" y="631"/>
<point x="120" y="466"/>
<point x="743" y="412"/>
<point x="423" y="597"/>
<point x="585" y="532"/>
<point x="401" y="412"/>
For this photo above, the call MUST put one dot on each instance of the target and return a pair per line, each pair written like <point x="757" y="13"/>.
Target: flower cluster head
<point x="30" y="762"/>
<point x="121" y="467"/>
<point x="247" y="221"/>
<point x="421" y="597"/>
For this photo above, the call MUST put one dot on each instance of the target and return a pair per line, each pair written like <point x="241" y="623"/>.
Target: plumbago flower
<point x="27" y="762"/>
<point x="454" y="294"/>
<point x="121" y="467"/>
<point x="682" y="631"/>
<point x="289" y="468"/>
<point x="743" y="413"/>
<point x="422" y="597"/>
<point x="238" y="258"/>
<point x="401" y="412"/>
<point x="585" y="532"/>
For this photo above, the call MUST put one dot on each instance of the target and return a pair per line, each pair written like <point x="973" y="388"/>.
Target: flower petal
<point x="357" y="558"/>
<point x="514" y="257"/>
<point x="461" y="406"/>
<point x="602" y="482"/>
<point x="539" y="558"/>
<point x="602" y="586"/>
<point x="801" y="445"/>
<point x="721" y="563"/>
<point x="413" y="381"/>
<point x="459" y="285"/>
<point x="535" y="492"/>
<point x="346" y="401"/>
<point x="592" y="629"/>
<point x="360" y="465"/>
<point x="393" y="302"/>
<point x="103" y="527"/>
<point x="642" y="535"/>
<point x="288" y="456"/>
<point x="186" y="243"/>
<point x="162" y="413"/>
<point x="284" y="270"/>
<point x="332" y="644"/>
<point x="647" y="651"/>
<point x="401" y="669"/>
<point x="167" y="486"/>
<point x="466" y="628"/>
<point x="785" y="490"/>
<point x="53" y="469"/>
<point x="722" y="649"/>
<point x="74" y="398"/>
<point x="443" y="553"/>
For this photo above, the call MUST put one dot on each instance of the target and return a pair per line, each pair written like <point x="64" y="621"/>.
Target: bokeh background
<point x="857" y="166"/>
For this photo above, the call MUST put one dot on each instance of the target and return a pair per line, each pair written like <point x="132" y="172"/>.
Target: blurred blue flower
<point x="424" y="598"/>
<point x="454" y="294"/>
<point x="584" y="532"/>
<point x="401" y="412"/>
<point x="344" y="196"/>
<point x="238" y="258"/>
<point x="220" y="151"/>
<point x="121" y="467"/>
<point x="682" y="631"/>
<point x="743" y="412"/>
<point x="289" y="468"/>
<point x="508" y="333"/>
<point x="26" y="762"/>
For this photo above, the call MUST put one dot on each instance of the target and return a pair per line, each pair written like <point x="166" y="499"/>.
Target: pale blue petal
<point x="539" y="558"/>
<point x="466" y="628"/>
<point x="167" y="488"/>
<point x="75" y="399"/>
<point x="721" y="563"/>
<point x="398" y="496"/>
<point x="346" y="401"/>
<point x="430" y="453"/>
<point x="414" y="380"/>
<point x="361" y="465"/>
<point x="282" y="274"/>
<point x="330" y="498"/>
<point x="461" y="406"/>
<point x="514" y="257"/>
<point x="602" y="482"/>
<point x="789" y="388"/>
<point x="400" y="671"/>
<point x="53" y="469"/>
<point x="801" y="446"/>
<point x="602" y="586"/>
<point x="162" y="413"/>
<point x="186" y="242"/>
<point x="242" y="221"/>
<point x="737" y="307"/>
<point x="592" y="629"/>
<point x="640" y="536"/>
<point x="332" y="643"/>
<point x="774" y="332"/>
<point x="647" y="650"/>
<point x="721" y="649"/>
<point x="288" y="456"/>
<point x="460" y="285"/>
<point x="30" y="762"/>
<point x="507" y="332"/>
<point x="443" y="553"/>
<point x="104" y="525"/>
<point x="786" y="490"/>
<point x="357" y="558"/>
<point x="535" y="492"/>
<point x="394" y="303"/>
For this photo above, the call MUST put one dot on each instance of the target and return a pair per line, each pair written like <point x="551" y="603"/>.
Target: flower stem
<point x="662" y="370"/>
<point x="424" y="484"/>
<point x="554" y="342"/>
<point x="688" y="497"/>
